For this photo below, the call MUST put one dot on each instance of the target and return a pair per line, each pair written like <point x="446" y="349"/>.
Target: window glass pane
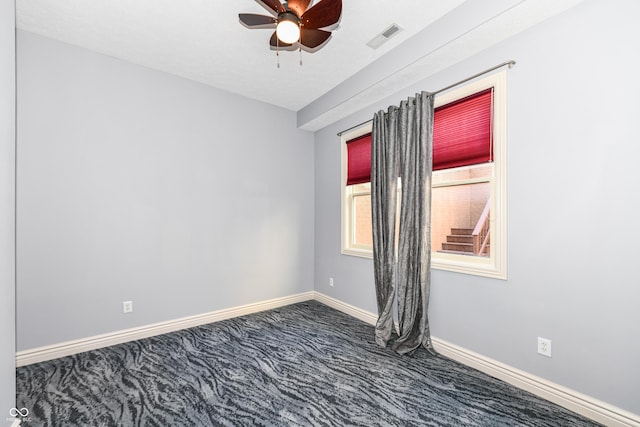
<point x="456" y="212"/>
<point x="362" y="220"/>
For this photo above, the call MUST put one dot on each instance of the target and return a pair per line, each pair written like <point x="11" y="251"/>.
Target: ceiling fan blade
<point x="273" y="6"/>
<point x="299" y="7"/>
<point x="277" y="44"/>
<point x="313" y="38"/>
<point x="323" y="14"/>
<point x="251" y="20"/>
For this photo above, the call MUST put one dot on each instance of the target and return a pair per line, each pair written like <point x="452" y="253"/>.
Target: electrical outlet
<point x="127" y="306"/>
<point x="331" y="281"/>
<point x="544" y="347"/>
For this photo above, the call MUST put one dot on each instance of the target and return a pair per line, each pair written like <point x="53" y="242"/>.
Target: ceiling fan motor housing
<point x="289" y="16"/>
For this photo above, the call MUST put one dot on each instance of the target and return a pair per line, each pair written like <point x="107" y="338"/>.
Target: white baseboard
<point x="353" y="311"/>
<point x="570" y="399"/>
<point x="590" y="407"/>
<point x="69" y="348"/>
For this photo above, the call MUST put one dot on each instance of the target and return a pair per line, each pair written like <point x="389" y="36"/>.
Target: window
<point x="468" y="217"/>
<point x="357" y="238"/>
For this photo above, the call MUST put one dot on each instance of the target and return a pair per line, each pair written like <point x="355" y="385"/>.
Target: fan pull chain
<point x="278" y="51"/>
<point x="300" y="50"/>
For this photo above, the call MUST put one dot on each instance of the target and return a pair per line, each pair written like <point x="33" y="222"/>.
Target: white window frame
<point x="495" y="265"/>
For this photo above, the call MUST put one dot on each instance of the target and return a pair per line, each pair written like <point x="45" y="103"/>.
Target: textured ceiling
<point x="202" y="40"/>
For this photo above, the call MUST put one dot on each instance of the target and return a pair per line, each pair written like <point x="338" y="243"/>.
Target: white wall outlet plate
<point x="544" y="346"/>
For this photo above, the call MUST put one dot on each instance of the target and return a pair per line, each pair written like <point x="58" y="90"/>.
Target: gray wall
<point x="573" y="201"/>
<point x="7" y="207"/>
<point x="138" y="185"/>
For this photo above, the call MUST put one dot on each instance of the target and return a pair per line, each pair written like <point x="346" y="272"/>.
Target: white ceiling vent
<point x="385" y="35"/>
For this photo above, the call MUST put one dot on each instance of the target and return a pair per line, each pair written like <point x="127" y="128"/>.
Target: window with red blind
<point x="461" y="137"/>
<point x="468" y="197"/>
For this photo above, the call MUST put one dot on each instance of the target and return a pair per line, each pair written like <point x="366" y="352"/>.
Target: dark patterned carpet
<point x="300" y="365"/>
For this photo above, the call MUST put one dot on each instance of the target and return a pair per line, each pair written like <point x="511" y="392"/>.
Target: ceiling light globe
<point x="288" y="31"/>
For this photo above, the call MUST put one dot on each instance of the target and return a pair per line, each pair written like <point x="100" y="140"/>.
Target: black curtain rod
<point x="508" y="63"/>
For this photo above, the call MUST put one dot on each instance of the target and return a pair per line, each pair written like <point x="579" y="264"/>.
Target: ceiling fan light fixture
<point x="288" y="29"/>
<point x="299" y="24"/>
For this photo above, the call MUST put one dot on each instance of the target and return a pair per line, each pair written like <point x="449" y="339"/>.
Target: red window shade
<point x="359" y="160"/>
<point x="461" y="137"/>
<point x="462" y="132"/>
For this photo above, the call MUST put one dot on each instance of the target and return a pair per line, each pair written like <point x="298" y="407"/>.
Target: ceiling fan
<point x="296" y="25"/>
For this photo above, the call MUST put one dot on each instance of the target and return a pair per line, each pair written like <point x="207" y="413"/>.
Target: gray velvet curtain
<point x="402" y="147"/>
<point x="385" y="169"/>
